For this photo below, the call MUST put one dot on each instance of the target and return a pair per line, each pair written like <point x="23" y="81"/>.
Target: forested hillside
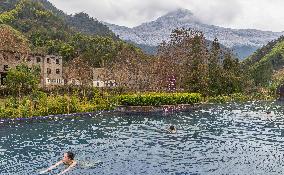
<point x="197" y="65"/>
<point x="266" y="61"/>
<point x="49" y="32"/>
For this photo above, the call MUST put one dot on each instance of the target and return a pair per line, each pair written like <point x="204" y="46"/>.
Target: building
<point x="100" y="78"/>
<point x="51" y="66"/>
<point x="14" y="50"/>
<point x="8" y="59"/>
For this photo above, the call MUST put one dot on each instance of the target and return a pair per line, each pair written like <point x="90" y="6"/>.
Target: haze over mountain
<point x="242" y="41"/>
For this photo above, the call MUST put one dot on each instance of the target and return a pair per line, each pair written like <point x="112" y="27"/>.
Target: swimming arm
<point x="67" y="169"/>
<point x="50" y="168"/>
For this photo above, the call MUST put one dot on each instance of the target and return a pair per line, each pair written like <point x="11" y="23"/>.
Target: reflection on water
<point x="218" y="139"/>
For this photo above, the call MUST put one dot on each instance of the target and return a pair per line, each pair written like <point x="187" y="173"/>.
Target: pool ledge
<point x="162" y="108"/>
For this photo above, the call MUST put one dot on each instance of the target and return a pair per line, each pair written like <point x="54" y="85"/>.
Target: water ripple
<point x="235" y="138"/>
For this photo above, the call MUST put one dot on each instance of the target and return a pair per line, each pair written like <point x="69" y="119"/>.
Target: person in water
<point x="172" y="129"/>
<point x="68" y="160"/>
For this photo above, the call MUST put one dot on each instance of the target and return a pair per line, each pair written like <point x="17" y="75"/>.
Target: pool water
<point x="234" y="138"/>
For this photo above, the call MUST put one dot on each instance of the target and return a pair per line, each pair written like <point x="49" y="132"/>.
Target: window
<point x="6" y="67"/>
<point x="48" y="71"/>
<point x="48" y="60"/>
<point x="5" y="56"/>
<point x="57" y="61"/>
<point x="29" y="58"/>
<point x="17" y="57"/>
<point x="57" y="71"/>
<point x="38" y="59"/>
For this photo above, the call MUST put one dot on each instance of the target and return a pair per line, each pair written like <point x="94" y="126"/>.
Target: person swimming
<point x="172" y="129"/>
<point x="68" y="160"/>
<point x="268" y="112"/>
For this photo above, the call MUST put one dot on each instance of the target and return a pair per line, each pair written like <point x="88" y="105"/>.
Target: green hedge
<point x="42" y="105"/>
<point x="157" y="99"/>
<point x="238" y="97"/>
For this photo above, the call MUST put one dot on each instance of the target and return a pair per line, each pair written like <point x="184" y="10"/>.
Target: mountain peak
<point x="180" y="14"/>
<point x="244" y="41"/>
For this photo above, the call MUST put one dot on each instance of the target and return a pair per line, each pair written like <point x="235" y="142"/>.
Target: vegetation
<point x="157" y="99"/>
<point x="42" y="104"/>
<point x="22" y="80"/>
<point x="184" y="69"/>
<point x="50" y="31"/>
<point x="198" y="69"/>
<point x="238" y="97"/>
<point x="13" y="40"/>
<point x="266" y="62"/>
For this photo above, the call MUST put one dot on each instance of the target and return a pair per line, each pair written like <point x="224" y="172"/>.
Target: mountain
<point x="81" y="22"/>
<point x="242" y="41"/>
<point x="267" y="63"/>
<point x="49" y="31"/>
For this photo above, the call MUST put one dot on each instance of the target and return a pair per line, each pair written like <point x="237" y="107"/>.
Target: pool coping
<point x="158" y="109"/>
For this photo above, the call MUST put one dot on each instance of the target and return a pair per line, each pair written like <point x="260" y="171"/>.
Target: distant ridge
<point x="242" y="41"/>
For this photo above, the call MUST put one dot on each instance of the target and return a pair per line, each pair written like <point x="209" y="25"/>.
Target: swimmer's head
<point x="68" y="156"/>
<point x="172" y="127"/>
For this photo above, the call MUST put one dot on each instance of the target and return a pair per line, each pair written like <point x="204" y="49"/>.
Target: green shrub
<point x="40" y="104"/>
<point x="157" y="99"/>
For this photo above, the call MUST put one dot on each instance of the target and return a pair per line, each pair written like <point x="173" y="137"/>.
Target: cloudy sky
<point x="257" y="14"/>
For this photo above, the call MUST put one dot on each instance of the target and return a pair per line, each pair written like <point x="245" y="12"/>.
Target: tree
<point x="130" y="69"/>
<point x="233" y="80"/>
<point x="185" y="57"/>
<point x="22" y="79"/>
<point x="215" y="69"/>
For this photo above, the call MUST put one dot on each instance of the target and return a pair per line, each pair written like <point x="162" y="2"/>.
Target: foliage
<point x="42" y="104"/>
<point x="199" y="69"/>
<point x="131" y="69"/>
<point x="156" y="99"/>
<point x="50" y="31"/>
<point x="239" y="97"/>
<point x="265" y="61"/>
<point x="83" y="23"/>
<point x="11" y="15"/>
<point x="22" y="79"/>
<point x="12" y="40"/>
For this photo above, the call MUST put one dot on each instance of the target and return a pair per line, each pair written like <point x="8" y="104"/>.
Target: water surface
<point x="235" y="138"/>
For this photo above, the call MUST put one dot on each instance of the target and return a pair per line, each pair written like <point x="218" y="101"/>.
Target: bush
<point x="157" y="99"/>
<point x="40" y="104"/>
<point x="238" y="97"/>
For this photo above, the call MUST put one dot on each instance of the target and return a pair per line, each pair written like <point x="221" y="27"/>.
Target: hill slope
<point x="50" y="33"/>
<point x="80" y="22"/>
<point x="266" y="61"/>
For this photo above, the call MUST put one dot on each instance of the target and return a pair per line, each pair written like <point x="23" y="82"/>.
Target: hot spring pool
<point x="235" y="138"/>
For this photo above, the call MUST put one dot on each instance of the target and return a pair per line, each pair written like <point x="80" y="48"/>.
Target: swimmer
<point x="68" y="160"/>
<point x="172" y="129"/>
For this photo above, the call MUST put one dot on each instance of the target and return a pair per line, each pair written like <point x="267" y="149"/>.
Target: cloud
<point x="259" y="14"/>
<point x="215" y="11"/>
<point x="124" y="12"/>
